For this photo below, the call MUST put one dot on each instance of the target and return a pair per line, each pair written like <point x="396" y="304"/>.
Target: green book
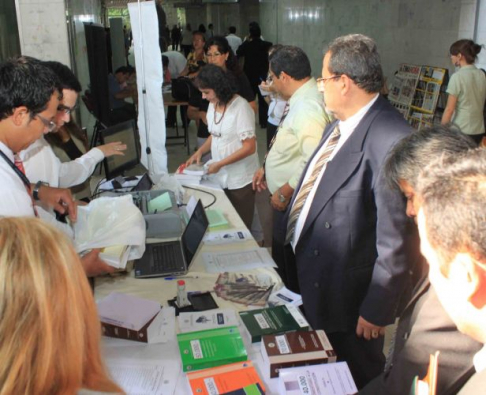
<point x="210" y="348"/>
<point x="272" y="320"/>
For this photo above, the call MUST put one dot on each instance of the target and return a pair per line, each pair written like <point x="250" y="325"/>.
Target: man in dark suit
<point x="424" y="325"/>
<point x="352" y="241"/>
<point x="452" y="220"/>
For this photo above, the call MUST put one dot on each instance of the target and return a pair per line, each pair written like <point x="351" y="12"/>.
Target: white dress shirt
<point x="480" y="360"/>
<point x="177" y="63"/>
<point x="346" y="128"/>
<point x="234" y="42"/>
<point x="237" y="124"/>
<point x="42" y="164"/>
<point x="15" y="201"/>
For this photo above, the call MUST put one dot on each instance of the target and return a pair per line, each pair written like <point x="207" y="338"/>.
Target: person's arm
<point x="248" y="148"/>
<point x="203" y="149"/>
<point x="93" y="265"/>
<point x="397" y="246"/>
<point x="59" y="199"/>
<point x="253" y="105"/>
<point x="449" y="110"/>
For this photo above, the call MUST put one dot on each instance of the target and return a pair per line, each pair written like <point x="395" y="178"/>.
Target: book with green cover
<point x="272" y="320"/>
<point x="216" y="218"/>
<point x="210" y="348"/>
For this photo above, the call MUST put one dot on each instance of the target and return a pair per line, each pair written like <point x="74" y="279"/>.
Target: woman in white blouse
<point x="232" y="140"/>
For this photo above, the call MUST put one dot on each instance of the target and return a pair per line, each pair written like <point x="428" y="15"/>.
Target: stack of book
<point x="296" y="349"/>
<point x="272" y="321"/>
<point x="242" y="288"/>
<point x="190" y="175"/>
<point x="128" y="317"/>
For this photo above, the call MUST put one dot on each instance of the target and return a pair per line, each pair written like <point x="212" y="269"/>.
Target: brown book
<point x="296" y="349"/>
<point x="119" y="332"/>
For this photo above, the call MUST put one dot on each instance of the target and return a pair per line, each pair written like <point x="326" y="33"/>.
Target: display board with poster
<point x="415" y="92"/>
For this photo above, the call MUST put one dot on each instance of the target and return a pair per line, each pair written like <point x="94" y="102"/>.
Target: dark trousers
<point x="365" y="358"/>
<point x="271" y="130"/>
<point x="283" y="255"/>
<point x="186" y="49"/>
<point x="477" y="138"/>
<point x="262" y="110"/>
<point x="172" y="115"/>
<point x="243" y="200"/>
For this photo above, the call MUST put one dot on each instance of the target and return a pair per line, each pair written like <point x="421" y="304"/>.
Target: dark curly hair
<point x="223" y="48"/>
<point x="223" y="83"/>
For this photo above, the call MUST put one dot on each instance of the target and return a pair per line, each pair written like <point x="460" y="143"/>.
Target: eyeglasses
<point x="211" y="55"/>
<point x="65" y="109"/>
<point x="321" y="82"/>
<point x="50" y="125"/>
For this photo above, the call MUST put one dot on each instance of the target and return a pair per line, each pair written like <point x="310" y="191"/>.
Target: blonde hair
<point x="49" y="328"/>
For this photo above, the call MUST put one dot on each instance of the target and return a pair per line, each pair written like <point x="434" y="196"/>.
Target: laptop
<point x="174" y="257"/>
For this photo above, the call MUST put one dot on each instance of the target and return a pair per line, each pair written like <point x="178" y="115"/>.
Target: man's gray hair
<point x="413" y="153"/>
<point x="453" y="192"/>
<point x="356" y="56"/>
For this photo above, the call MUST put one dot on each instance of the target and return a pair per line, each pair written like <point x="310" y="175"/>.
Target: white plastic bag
<point x="110" y="221"/>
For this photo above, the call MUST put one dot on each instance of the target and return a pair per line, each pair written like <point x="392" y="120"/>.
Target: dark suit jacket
<point x="423" y="329"/>
<point x="255" y="53"/>
<point x="354" y="253"/>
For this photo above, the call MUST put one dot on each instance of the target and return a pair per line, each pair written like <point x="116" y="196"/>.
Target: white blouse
<point x="237" y="124"/>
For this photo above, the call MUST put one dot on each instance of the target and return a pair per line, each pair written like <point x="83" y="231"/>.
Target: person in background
<point x="49" y="336"/>
<point x="176" y="65"/>
<point x="232" y="140"/>
<point x="466" y="90"/>
<point x="202" y="29"/>
<point x="186" y="40"/>
<point x="297" y="137"/>
<point x="197" y="57"/>
<point x="233" y="40"/>
<point x="210" y="32"/>
<point x="175" y="36"/>
<point x="219" y="53"/>
<point x="424" y="326"/>
<point x="451" y="223"/>
<point x="119" y="90"/>
<point x="276" y="104"/>
<point x="255" y="55"/>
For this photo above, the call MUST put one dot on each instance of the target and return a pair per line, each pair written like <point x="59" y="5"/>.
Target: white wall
<point x="43" y="30"/>
<point x="406" y="31"/>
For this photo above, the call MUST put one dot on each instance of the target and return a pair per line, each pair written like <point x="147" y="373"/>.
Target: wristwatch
<point x="281" y="197"/>
<point x="35" y="193"/>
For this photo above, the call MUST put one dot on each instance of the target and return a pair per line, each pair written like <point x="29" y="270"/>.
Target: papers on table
<point x="237" y="261"/>
<point x="201" y="320"/>
<point x="248" y="289"/>
<point x="128" y="182"/>
<point x="145" y="377"/>
<point x="227" y="237"/>
<point x="116" y="256"/>
<point x="284" y="296"/>
<point x="127" y="311"/>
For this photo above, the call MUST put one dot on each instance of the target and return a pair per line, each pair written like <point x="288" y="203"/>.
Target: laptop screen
<point x="194" y="232"/>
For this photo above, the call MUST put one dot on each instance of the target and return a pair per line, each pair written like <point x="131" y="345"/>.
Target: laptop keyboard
<point x="167" y="257"/>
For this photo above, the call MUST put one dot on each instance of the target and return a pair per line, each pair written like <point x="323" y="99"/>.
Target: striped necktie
<point x="20" y="165"/>
<point x="308" y="185"/>
<point x="284" y="115"/>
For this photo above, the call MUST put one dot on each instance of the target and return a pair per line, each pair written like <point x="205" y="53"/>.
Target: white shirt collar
<point x="7" y="151"/>
<point x="347" y="127"/>
<point x="480" y="360"/>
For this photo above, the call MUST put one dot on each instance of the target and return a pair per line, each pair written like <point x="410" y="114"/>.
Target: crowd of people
<point x="372" y="221"/>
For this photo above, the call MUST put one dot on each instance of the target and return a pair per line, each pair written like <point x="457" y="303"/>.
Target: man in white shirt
<point x="348" y="230"/>
<point x="177" y="63"/>
<point x="452" y="222"/>
<point x="233" y="40"/>
<point x="29" y="100"/>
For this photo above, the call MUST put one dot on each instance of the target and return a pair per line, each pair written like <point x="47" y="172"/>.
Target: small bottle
<point x="181" y="294"/>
